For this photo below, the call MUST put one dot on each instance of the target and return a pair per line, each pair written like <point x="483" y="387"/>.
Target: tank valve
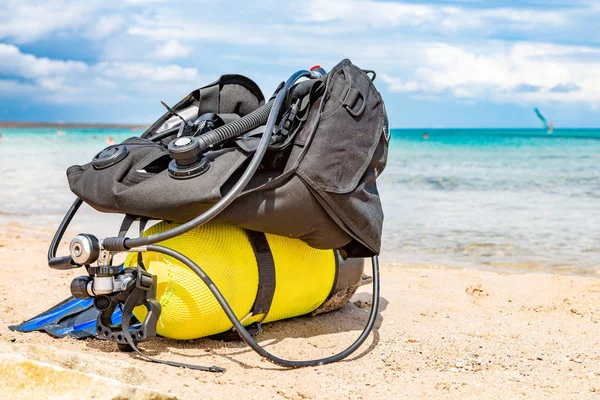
<point x="187" y="161"/>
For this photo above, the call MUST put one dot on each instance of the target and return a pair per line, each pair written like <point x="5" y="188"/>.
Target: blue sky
<point x="442" y="64"/>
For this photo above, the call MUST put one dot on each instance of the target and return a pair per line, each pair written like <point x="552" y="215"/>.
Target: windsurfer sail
<point x="548" y="125"/>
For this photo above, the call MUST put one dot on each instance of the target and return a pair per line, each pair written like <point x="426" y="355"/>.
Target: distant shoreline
<point x="60" y="125"/>
<point x="81" y="125"/>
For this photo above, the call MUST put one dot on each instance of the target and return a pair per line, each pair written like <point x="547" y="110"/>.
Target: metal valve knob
<point x="84" y="249"/>
<point x="187" y="161"/>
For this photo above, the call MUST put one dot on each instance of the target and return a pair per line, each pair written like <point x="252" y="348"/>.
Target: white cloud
<point x="360" y="14"/>
<point x="171" y="50"/>
<point x="367" y="11"/>
<point x="25" y="22"/>
<point x="308" y="22"/>
<point x="146" y="72"/>
<point x="105" y="26"/>
<point x="523" y="72"/>
<point x="15" y="63"/>
<point x="76" y="81"/>
<point x="425" y="50"/>
<point x="10" y="88"/>
<point x="146" y="1"/>
<point x="161" y="28"/>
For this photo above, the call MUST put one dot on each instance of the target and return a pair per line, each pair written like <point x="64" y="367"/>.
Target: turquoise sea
<point x="516" y="199"/>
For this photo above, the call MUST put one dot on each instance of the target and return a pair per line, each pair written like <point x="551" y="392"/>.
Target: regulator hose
<point x="246" y="337"/>
<point x="235" y="128"/>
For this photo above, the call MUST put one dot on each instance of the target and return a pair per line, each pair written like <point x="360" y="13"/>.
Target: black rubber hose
<point x="250" y="340"/>
<point x="63" y="227"/>
<point x="65" y="262"/>
<point x="236" y="128"/>
<point x="165" y="133"/>
<point x="240" y="184"/>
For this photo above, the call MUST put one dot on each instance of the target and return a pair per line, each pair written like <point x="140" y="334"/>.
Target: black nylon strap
<point x="140" y="260"/>
<point x="351" y="98"/>
<point x="126" y="224"/>
<point x="143" y="222"/>
<point x="266" y="272"/>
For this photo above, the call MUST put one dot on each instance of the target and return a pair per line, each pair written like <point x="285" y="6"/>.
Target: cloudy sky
<point x="464" y="63"/>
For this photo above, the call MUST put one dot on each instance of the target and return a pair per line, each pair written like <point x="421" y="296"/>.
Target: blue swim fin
<point x="71" y="317"/>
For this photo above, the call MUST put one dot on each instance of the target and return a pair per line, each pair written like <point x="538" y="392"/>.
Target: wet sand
<point x="441" y="333"/>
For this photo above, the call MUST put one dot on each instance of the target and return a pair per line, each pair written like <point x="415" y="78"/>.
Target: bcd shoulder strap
<point x="266" y="286"/>
<point x="266" y="272"/>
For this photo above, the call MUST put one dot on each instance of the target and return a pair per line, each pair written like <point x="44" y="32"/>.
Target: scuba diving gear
<point x="272" y="178"/>
<point x="250" y="340"/>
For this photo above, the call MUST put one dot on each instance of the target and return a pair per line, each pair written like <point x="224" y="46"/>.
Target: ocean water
<point x="516" y="199"/>
<point x="478" y="198"/>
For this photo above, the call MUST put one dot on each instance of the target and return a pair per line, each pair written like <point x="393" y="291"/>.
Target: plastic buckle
<point x="351" y="100"/>
<point x="144" y="279"/>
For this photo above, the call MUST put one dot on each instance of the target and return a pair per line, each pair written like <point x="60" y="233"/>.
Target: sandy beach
<point x="442" y="332"/>
<point x="458" y="139"/>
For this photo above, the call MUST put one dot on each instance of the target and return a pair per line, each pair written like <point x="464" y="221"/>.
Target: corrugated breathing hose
<point x="236" y="128"/>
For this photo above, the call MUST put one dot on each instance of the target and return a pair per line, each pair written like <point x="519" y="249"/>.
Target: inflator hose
<point x="250" y="340"/>
<point x="225" y="132"/>
<point x="236" y="128"/>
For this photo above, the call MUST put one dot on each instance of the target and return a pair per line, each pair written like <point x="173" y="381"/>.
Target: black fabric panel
<point x="228" y="94"/>
<point x="344" y="154"/>
<point x="124" y="189"/>
<point x="288" y="210"/>
<point x="266" y="272"/>
<point x="236" y="99"/>
<point x="209" y="100"/>
<point x="246" y="83"/>
<point x="342" y="145"/>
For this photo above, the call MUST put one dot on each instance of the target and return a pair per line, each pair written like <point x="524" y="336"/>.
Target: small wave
<point x="587" y="186"/>
<point x="487" y="250"/>
<point x="443" y="183"/>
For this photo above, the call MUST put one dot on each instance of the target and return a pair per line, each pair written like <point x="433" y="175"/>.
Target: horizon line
<point x="134" y="126"/>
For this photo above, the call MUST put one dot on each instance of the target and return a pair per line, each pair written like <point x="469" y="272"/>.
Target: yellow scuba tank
<point x="305" y="279"/>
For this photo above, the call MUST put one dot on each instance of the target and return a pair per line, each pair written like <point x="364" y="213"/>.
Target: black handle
<point x="62" y="263"/>
<point x="65" y="262"/>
